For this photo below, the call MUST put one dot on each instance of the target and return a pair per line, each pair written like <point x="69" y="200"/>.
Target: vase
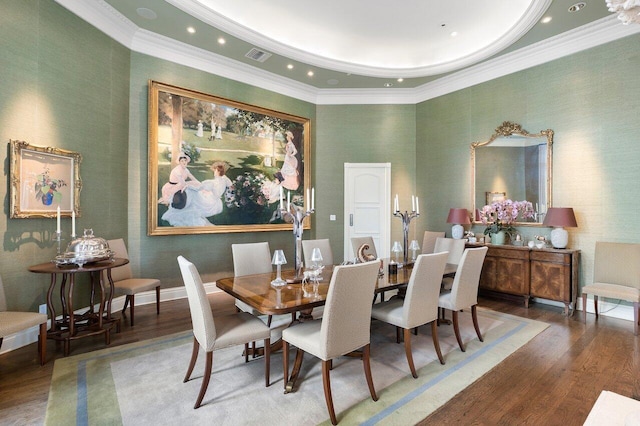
<point x="498" y="238"/>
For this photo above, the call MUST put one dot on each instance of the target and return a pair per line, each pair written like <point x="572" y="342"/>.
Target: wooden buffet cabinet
<point x="550" y="274"/>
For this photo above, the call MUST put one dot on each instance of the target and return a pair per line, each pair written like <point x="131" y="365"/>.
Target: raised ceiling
<point x="341" y="44"/>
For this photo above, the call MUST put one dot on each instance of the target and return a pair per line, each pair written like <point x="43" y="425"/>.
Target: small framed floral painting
<point x="492" y="197"/>
<point x="218" y="165"/>
<point x="43" y="179"/>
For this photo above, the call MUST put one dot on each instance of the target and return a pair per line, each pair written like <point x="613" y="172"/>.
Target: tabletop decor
<point x="560" y="218"/>
<point x="500" y="216"/>
<point x="296" y="216"/>
<point x="278" y="259"/>
<point x="45" y="181"/>
<point x="217" y="165"/>
<point x="406" y="218"/>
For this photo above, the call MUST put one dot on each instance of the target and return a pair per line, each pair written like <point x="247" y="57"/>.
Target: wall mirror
<point x="513" y="164"/>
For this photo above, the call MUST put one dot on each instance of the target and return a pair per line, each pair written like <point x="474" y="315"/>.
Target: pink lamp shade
<point x="560" y="217"/>
<point x="458" y="216"/>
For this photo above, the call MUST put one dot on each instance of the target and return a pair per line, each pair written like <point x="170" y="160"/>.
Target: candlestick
<point x="297" y="217"/>
<point x="413" y="203"/>
<point x="73" y="224"/>
<point x="281" y="206"/>
<point x="417" y="206"/>
<point x="406" y="221"/>
<point x="313" y="198"/>
<point x="58" y="221"/>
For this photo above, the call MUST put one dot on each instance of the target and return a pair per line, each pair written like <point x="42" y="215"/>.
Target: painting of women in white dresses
<point x="220" y="166"/>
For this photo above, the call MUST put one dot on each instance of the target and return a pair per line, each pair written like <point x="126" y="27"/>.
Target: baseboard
<point x="606" y="308"/>
<point x="30" y="335"/>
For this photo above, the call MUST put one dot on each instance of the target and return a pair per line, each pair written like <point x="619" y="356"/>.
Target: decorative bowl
<point x="86" y="249"/>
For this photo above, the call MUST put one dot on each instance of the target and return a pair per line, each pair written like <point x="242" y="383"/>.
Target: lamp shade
<point x="458" y="216"/>
<point x="561" y="217"/>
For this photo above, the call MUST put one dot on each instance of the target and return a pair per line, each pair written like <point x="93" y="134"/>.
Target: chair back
<point x="346" y="321"/>
<point x="357" y="242"/>
<point x="3" y="299"/>
<point x="429" y="241"/>
<point x="325" y="248"/>
<point x="617" y="263"/>
<point x="423" y="290"/>
<point x="204" y="329"/>
<point x="251" y="259"/>
<point x="455" y="247"/>
<point x="464" y="292"/>
<point x="122" y="272"/>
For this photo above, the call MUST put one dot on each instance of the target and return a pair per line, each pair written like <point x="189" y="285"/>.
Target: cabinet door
<point x="488" y="275"/>
<point x="551" y="276"/>
<point x="512" y="276"/>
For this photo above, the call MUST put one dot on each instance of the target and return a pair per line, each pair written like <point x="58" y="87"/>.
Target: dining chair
<point x="251" y="259"/>
<point x="464" y="291"/>
<point x="125" y="283"/>
<point x="429" y="241"/>
<point x="344" y="327"/>
<point x="211" y="333"/>
<point x="325" y="249"/>
<point x="455" y="247"/>
<point x="357" y="242"/>
<point x="12" y="322"/>
<point x="419" y="306"/>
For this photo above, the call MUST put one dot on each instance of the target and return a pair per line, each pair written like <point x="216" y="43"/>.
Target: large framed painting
<point x="43" y="179"/>
<point x="218" y="165"/>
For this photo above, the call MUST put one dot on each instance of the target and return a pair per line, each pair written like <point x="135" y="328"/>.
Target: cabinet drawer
<point x="509" y="253"/>
<point x="545" y="256"/>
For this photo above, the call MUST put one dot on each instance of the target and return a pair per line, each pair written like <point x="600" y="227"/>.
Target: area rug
<point x="141" y="383"/>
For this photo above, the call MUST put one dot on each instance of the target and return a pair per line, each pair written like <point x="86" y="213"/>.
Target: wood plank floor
<point x="553" y="380"/>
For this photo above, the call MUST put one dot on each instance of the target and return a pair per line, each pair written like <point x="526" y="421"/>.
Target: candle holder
<point x="406" y="221"/>
<point x="278" y="260"/>
<point x="57" y="238"/>
<point x="296" y="215"/>
<point x="414" y="247"/>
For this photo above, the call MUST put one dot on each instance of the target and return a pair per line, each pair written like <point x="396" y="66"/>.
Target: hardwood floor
<point x="553" y="380"/>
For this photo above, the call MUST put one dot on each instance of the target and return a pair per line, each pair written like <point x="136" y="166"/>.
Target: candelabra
<point x="406" y="221"/>
<point x="296" y="215"/>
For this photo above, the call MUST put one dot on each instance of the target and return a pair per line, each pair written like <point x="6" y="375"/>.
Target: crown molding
<point x="108" y="20"/>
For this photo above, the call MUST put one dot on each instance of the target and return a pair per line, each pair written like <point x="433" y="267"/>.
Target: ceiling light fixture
<point x="221" y="40"/>
<point x="388" y="84"/>
<point x="577" y="7"/>
<point x="454" y="33"/>
<point x="290" y="66"/>
<point x="546" y="19"/>
<point x="628" y="11"/>
<point x="191" y="30"/>
<point x="400" y="80"/>
<point x="146" y="13"/>
<point x="310" y="73"/>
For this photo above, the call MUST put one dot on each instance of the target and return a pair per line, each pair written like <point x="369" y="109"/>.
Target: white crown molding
<point x="101" y="15"/>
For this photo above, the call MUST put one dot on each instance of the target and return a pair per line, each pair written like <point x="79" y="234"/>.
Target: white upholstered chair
<point x="223" y="331"/>
<point x="420" y="303"/>
<point x="13" y="322"/>
<point x="464" y="292"/>
<point x="455" y="247"/>
<point x="251" y="259"/>
<point x="429" y="241"/>
<point x="125" y="283"/>
<point x="325" y="249"/>
<point x="344" y="328"/>
<point x="616" y="275"/>
<point x="357" y="242"/>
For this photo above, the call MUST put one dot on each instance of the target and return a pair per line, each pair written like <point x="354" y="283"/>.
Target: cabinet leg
<point x="526" y="302"/>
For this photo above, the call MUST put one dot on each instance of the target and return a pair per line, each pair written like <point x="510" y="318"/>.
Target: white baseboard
<point x="30" y="335"/>
<point x="606" y="308"/>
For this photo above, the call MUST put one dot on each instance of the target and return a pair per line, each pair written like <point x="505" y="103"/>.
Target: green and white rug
<point x="141" y="383"/>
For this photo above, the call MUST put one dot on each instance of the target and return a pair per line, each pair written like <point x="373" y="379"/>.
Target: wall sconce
<point x="458" y="217"/>
<point x="560" y="217"/>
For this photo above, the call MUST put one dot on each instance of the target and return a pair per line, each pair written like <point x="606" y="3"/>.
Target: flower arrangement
<point x="46" y="188"/>
<point x="500" y="215"/>
<point x="246" y="192"/>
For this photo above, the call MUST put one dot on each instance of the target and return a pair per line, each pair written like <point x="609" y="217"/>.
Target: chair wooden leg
<point x="205" y="379"/>
<point x="474" y="315"/>
<point x="192" y="363"/>
<point x="636" y="317"/>
<point x="456" y="329"/>
<point x="42" y="343"/>
<point x="126" y="304"/>
<point x="285" y="361"/>
<point x="269" y="318"/>
<point x="436" y="342"/>
<point x="326" y="383"/>
<point x="407" y="350"/>
<point x="584" y="308"/>
<point x="131" y="309"/>
<point x="267" y="362"/>
<point x="246" y="351"/>
<point x="367" y="370"/>
<point x="158" y="300"/>
<point x="595" y="305"/>
<point x="397" y="334"/>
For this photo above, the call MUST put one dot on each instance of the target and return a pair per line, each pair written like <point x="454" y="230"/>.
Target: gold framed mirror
<point x="516" y="164"/>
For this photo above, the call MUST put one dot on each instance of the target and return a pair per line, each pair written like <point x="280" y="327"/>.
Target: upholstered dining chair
<point x="420" y="303"/>
<point x="11" y="322"/>
<point x="251" y="259"/>
<point x="325" y="249"/>
<point x="464" y="292"/>
<point x="616" y="275"/>
<point x="357" y="242"/>
<point x="211" y="333"/>
<point x="429" y="241"/>
<point x="455" y="247"/>
<point x="344" y="327"/>
<point x="125" y="283"/>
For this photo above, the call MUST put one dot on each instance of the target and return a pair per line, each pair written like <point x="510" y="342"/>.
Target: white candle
<point x="288" y="200"/>
<point x="396" y="205"/>
<point x="417" y="206"/>
<point x="73" y="223"/>
<point x="308" y="200"/>
<point x="58" y="221"/>
<point x="413" y="203"/>
<point x="313" y="198"/>
<point x="281" y="202"/>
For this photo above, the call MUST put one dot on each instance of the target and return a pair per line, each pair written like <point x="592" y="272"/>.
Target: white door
<point x="367" y="205"/>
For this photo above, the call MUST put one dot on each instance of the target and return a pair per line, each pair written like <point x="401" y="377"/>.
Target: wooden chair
<point x="616" y="275"/>
<point x="429" y="241"/>
<point x="464" y="292"/>
<point x="124" y="283"/>
<point x="420" y="303"/>
<point x="13" y="322"/>
<point x="344" y="328"/>
<point x="222" y="332"/>
<point x="325" y="248"/>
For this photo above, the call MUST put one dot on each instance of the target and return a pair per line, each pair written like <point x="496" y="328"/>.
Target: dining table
<point x="299" y="299"/>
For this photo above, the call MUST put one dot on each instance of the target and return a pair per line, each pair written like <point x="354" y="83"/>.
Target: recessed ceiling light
<point x="388" y="84"/>
<point x="221" y="40"/>
<point x="400" y="80"/>
<point x="333" y="81"/>
<point x="546" y="19"/>
<point x="146" y="13"/>
<point x="454" y="33"/>
<point x="191" y="30"/>
<point x="310" y="73"/>
<point x="290" y="66"/>
<point x="578" y="6"/>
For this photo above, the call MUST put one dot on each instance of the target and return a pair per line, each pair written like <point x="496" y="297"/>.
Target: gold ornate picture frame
<point x="218" y="165"/>
<point x="43" y="179"/>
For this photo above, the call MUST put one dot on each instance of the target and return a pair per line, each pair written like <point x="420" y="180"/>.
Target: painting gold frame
<point x="43" y="179"/>
<point x="239" y="159"/>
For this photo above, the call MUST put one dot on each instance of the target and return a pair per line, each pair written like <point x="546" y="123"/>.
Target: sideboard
<point x="546" y="273"/>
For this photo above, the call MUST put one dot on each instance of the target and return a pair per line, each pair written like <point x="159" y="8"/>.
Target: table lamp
<point x="560" y="217"/>
<point x="278" y="260"/>
<point x="396" y="249"/>
<point x="458" y="217"/>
